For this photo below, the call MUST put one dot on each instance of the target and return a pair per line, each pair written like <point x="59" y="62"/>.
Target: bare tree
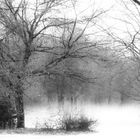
<point x="17" y="24"/>
<point x="70" y="42"/>
<point x="22" y="35"/>
<point x="130" y="46"/>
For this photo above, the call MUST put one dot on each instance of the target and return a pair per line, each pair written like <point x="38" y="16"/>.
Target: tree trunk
<point x="60" y="97"/>
<point x="19" y="90"/>
<point x="20" y="107"/>
<point x="60" y="91"/>
<point x="124" y="98"/>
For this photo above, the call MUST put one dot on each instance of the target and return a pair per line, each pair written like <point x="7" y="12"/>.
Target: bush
<point x="68" y="122"/>
<point x="71" y="123"/>
<point x="46" y="126"/>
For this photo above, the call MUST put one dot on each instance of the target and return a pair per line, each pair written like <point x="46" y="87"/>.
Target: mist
<point x="69" y="63"/>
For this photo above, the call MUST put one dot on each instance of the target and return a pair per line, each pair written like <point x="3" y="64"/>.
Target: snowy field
<point x="114" y="122"/>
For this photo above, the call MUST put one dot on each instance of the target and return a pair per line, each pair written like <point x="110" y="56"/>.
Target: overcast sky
<point x="110" y="19"/>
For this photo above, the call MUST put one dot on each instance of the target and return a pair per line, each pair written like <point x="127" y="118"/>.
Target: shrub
<point x="73" y="123"/>
<point x="69" y="122"/>
<point x="46" y="126"/>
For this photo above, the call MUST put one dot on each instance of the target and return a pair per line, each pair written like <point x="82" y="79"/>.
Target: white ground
<point x="114" y="123"/>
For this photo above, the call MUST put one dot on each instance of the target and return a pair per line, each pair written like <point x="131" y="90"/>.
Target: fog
<point x="89" y="66"/>
<point x="113" y="121"/>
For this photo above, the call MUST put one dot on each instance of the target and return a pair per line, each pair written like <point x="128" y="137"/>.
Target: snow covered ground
<point x="114" y="123"/>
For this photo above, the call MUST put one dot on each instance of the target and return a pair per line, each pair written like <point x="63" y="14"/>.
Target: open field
<point x="114" y="122"/>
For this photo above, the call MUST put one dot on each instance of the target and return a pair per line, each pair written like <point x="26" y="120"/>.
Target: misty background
<point x="70" y="54"/>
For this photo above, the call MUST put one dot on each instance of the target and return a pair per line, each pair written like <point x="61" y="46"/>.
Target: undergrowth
<point x="70" y="123"/>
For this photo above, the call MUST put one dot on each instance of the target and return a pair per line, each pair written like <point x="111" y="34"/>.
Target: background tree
<point x="129" y="45"/>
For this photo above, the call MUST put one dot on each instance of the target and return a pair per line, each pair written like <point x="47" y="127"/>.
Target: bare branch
<point x="137" y="1"/>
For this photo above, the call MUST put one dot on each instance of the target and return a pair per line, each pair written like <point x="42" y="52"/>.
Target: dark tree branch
<point x="136" y="1"/>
